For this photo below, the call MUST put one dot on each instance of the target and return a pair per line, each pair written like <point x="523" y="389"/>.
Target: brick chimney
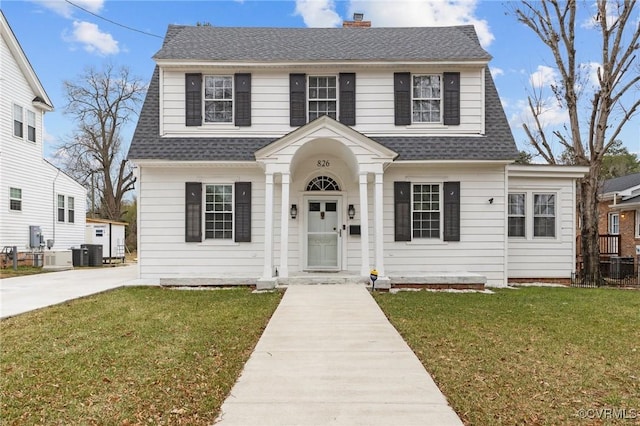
<point x="357" y="22"/>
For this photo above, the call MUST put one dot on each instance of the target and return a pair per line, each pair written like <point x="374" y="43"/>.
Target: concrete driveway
<point x="23" y="294"/>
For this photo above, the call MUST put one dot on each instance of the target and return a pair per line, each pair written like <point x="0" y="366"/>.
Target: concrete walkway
<point x="26" y="293"/>
<point x="329" y="356"/>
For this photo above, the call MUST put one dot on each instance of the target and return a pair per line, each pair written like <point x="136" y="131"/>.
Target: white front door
<point x="323" y="234"/>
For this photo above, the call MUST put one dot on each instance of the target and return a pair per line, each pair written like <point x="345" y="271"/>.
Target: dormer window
<point x="323" y="97"/>
<point x="426" y="98"/>
<point x="218" y="99"/>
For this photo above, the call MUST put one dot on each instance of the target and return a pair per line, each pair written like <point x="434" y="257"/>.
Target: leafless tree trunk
<point x="595" y="119"/>
<point x="101" y="102"/>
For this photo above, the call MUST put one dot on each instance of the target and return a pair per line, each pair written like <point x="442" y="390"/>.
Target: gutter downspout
<point x="55" y="207"/>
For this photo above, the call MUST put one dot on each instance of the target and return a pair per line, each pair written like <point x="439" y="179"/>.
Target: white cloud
<point x="93" y="40"/>
<point x="591" y="69"/>
<point x="550" y="113"/>
<point x="423" y="13"/>
<point x="544" y="77"/>
<point x="496" y="72"/>
<point x="61" y="7"/>
<point x="318" y="13"/>
<point x="593" y="22"/>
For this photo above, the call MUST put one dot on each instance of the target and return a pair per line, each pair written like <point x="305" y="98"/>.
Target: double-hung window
<point x="638" y="223"/>
<point x="15" y="199"/>
<point x="71" y="212"/>
<point x="426" y="211"/>
<point x="218" y="99"/>
<point x="218" y="215"/>
<point x="517" y="216"/>
<point x="323" y="97"/>
<point x="426" y="98"/>
<point x="60" y="208"/>
<point x="31" y="126"/>
<point x="544" y="215"/>
<point x="18" y="121"/>
<point x="614" y="223"/>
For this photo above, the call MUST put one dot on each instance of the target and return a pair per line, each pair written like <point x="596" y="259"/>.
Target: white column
<point x="364" y="226"/>
<point x="284" y="228"/>
<point x="268" y="227"/>
<point x="379" y="225"/>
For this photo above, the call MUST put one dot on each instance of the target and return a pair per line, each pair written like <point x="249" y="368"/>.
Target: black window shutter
<point x="243" y="99"/>
<point x="451" y="109"/>
<point x="193" y="212"/>
<point x="402" y="98"/>
<point x="297" y="99"/>
<point x="193" y="99"/>
<point x="451" y="211"/>
<point x="242" y="210"/>
<point x="348" y="99"/>
<point x="402" y="210"/>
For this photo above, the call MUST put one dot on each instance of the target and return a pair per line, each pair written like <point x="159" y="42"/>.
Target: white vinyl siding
<point x="537" y="256"/>
<point x="374" y="104"/>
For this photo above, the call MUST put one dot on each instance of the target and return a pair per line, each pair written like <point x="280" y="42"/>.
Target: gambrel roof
<point x="207" y="43"/>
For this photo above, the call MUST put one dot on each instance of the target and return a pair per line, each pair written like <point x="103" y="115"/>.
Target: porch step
<point x="440" y="280"/>
<point x="312" y="279"/>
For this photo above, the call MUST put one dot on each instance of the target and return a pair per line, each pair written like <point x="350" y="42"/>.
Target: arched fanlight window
<point x="323" y="183"/>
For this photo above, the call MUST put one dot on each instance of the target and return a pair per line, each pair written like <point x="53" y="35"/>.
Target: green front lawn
<point x="527" y="356"/>
<point x="129" y="356"/>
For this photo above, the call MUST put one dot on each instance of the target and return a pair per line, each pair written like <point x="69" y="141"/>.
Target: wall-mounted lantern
<point x="351" y="211"/>
<point x="294" y="211"/>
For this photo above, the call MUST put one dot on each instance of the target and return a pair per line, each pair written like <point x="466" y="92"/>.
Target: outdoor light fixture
<point x="351" y="211"/>
<point x="294" y="211"/>
<point x="490" y="200"/>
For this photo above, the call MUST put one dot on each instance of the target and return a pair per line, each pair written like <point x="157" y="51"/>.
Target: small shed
<point x="109" y="234"/>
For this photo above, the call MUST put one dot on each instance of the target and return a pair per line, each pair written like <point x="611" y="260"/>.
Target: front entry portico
<point x="322" y="168"/>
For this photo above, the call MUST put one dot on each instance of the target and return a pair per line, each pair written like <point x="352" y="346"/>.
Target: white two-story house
<point x="268" y="154"/>
<point x="39" y="204"/>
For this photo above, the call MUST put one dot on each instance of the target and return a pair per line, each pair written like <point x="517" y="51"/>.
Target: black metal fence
<point x="614" y="272"/>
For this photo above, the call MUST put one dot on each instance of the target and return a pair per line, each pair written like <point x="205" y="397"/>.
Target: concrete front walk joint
<point x="329" y="356"/>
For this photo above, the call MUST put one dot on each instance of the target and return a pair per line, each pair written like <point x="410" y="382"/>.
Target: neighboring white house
<point x="33" y="192"/>
<point x="109" y="234"/>
<point x="267" y="154"/>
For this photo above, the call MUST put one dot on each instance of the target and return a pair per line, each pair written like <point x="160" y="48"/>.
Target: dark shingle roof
<point x="209" y="43"/>
<point x="620" y="183"/>
<point x="496" y="144"/>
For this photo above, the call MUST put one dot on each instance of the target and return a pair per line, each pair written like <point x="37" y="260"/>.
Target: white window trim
<point x="611" y="221"/>
<point x="71" y="208"/>
<point x="232" y="100"/>
<point x="555" y="215"/>
<point x="440" y="211"/>
<point x="13" y="120"/>
<point x="337" y="99"/>
<point x="637" y="224"/>
<point x="233" y="214"/>
<point x="423" y="123"/>
<point x="29" y="113"/>
<point x="526" y="204"/>
<point x="59" y="207"/>
<point x="15" y="199"/>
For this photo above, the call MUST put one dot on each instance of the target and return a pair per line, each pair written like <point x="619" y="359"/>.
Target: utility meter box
<point x="36" y="240"/>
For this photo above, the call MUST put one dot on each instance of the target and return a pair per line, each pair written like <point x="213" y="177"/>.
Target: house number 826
<point x="323" y="163"/>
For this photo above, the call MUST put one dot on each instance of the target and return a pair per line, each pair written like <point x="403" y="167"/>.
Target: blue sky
<point x="61" y="40"/>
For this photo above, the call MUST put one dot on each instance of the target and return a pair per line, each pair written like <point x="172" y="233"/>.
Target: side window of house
<point x="218" y="216"/>
<point x="517" y="215"/>
<point x="71" y="213"/>
<point x="323" y="97"/>
<point x="18" y="121"/>
<point x="218" y="99"/>
<point x="426" y="97"/>
<point x="544" y="215"/>
<point x="31" y="126"/>
<point x="637" y="223"/>
<point x="426" y="211"/>
<point x="15" y="199"/>
<point x="60" y="208"/>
